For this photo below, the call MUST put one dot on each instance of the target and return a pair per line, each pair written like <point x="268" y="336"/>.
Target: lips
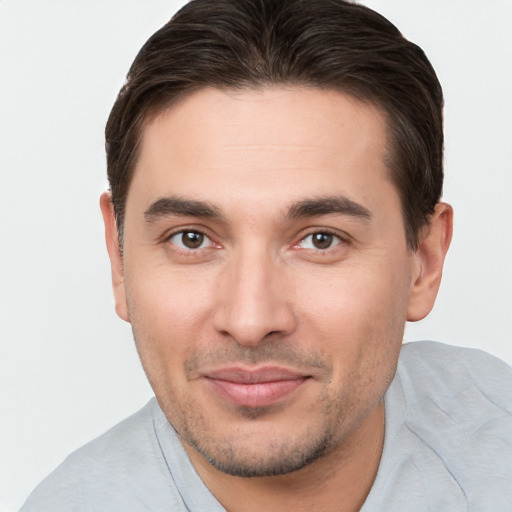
<point x="254" y="388"/>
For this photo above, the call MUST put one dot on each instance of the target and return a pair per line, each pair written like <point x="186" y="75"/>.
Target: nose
<point x="253" y="300"/>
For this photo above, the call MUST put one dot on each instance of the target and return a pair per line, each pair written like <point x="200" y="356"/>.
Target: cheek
<point x="360" y="317"/>
<point x="353" y="297"/>
<point x="169" y="315"/>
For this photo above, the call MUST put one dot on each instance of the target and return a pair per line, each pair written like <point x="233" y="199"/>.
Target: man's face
<point x="266" y="272"/>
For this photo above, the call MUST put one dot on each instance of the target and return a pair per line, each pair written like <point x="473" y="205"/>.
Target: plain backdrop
<point x="68" y="367"/>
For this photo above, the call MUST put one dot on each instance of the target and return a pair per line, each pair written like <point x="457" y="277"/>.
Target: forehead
<point x="257" y="142"/>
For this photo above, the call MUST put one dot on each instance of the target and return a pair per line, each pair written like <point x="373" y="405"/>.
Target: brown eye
<point x="322" y="240"/>
<point x="190" y="240"/>
<point x="319" y="241"/>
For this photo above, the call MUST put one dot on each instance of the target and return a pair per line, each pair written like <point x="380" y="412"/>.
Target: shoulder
<point x="454" y="391"/>
<point x="431" y="370"/>
<point x="123" y="467"/>
<point x="457" y="404"/>
<point x="448" y="436"/>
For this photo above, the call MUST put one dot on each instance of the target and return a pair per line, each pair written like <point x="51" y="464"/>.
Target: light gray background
<point x="68" y="367"/>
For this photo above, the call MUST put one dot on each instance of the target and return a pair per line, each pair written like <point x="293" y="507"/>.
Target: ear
<point x="115" y="255"/>
<point x="429" y="256"/>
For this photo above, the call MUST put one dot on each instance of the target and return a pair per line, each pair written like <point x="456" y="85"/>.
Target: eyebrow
<point x="327" y="205"/>
<point x="176" y="206"/>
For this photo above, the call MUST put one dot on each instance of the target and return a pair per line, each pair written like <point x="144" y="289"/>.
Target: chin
<point x="260" y="454"/>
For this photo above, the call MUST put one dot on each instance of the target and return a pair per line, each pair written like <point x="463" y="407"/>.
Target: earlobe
<point x="115" y="255"/>
<point x="429" y="259"/>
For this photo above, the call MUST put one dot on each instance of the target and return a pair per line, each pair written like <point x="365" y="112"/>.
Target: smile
<point x="259" y="388"/>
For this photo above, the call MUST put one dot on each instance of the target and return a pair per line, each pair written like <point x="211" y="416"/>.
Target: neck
<point x="339" y="481"/>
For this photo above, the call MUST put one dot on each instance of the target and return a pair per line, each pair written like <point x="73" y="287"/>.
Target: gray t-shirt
<point x="447" y="447"/>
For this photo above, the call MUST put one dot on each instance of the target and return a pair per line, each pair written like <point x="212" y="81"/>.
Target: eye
<point x="319" y="241"/>
<point x="190" y="240"/>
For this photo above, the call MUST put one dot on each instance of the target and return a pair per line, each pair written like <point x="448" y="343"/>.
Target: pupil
<point x="322" y="240"/>
<point x="192" y="240"/>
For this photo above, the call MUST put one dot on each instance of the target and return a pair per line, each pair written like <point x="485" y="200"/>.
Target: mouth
<point x="254" y="388"/>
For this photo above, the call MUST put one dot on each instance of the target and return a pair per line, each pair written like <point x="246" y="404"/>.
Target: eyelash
<point x="196" y="251"/>
<point x="341" y="240"/>
<point x="189" y="251"/>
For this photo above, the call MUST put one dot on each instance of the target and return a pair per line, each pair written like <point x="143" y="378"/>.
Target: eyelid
<point x="342" y="237"/>
<point x="188" y="229"/>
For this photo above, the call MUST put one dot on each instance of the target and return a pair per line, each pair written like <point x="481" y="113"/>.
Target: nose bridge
<point x="253" y="301"/>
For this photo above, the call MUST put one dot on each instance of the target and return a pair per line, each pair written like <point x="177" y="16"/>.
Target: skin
<point x="295" y="265"/>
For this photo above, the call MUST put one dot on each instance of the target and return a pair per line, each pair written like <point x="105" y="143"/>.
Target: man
<point x="274" y="219"/>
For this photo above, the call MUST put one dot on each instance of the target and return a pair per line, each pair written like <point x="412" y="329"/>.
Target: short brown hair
<point x="328" y="44"/>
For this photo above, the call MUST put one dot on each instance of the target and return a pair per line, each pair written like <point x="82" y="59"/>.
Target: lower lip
<point x="259" y="394"/>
